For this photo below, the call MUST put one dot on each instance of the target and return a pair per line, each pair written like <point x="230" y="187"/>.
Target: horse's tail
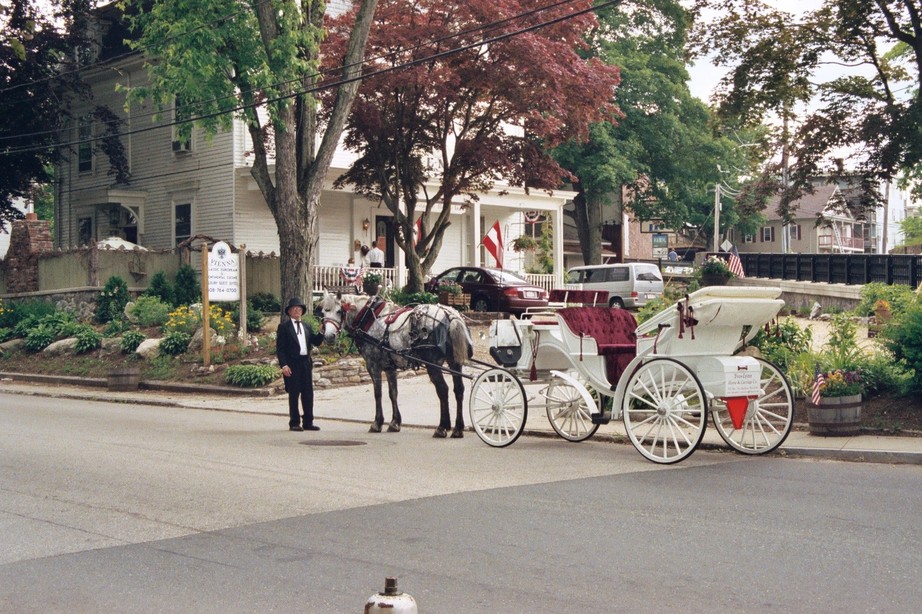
<point x="462" y="345"/>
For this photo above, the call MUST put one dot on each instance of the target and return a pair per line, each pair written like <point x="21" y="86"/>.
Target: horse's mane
<point x="331" y="301"/>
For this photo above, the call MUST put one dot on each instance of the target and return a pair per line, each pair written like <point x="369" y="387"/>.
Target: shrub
<point x="183" y="319"/>
<point x="110" y="304"/>
<point x="149" y="311"/>
<point x="5" y="334"/>
<point x="116" y="328"/>
<point x="651" y="308"/>
<point x="265" y="302"/>
<point x="187" y="289"/>
<point x="131" y="340"/>
<point x="842" y="351"/>
<point x="160" y="287"/>
<point x="220" y="321"/>
<point x="251" y="376"/>
<point x="781" y="344"/>
<point x="255" y="318"/>
<point x="412" y="298"/>
<point x="898" y="296"/>
<point x="39" y="337"/>
<point x="175" y="343"/>
<point x="88" y="339"/>
<point x="14" y="314"/>
<point x="904" y="339"/>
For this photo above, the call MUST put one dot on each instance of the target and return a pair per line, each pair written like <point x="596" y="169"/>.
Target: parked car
<point x="492" y="289"/>
<point x="628" y="285"/>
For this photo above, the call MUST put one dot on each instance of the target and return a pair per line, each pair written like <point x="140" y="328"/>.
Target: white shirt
<point x="376" y="256"/>
<point x="299" y="333"/>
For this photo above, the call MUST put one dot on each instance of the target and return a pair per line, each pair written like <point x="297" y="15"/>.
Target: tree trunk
<point x="589" y="227"/>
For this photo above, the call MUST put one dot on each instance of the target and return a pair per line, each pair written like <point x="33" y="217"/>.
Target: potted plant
<point x="715" y="272"/>
<point x="882" y="317"/>
<point x="451" y="293"/>
<point x="524" y="243"/>
<point x="837" y="410"/>
<point x="371" y="282"/>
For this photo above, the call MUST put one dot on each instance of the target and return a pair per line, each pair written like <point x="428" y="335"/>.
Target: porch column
<point x="477" y="231"/>
<point x="557" y="216"/>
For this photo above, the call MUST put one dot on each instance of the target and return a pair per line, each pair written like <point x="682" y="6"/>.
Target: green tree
<point x="262" y="55"/>
<point x="912" y="230"/>
<point x="645" y="153"/>
<point x="775" y="59"/>
<point x="466" y="119"/>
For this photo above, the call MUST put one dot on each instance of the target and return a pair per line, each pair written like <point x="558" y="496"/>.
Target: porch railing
<point x="542" y="280"/>
<point x="329" y="277"/>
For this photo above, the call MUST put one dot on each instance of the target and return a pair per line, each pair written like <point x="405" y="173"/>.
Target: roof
<point x="807" y="206"/>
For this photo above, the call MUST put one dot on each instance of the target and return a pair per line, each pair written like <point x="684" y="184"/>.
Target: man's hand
<point x="286" y="371"/>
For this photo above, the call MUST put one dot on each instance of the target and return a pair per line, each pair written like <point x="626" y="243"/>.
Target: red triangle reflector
<point x="737" y="406"/>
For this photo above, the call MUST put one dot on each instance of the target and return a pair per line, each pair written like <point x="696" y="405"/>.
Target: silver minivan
<point x="630" y="284"/>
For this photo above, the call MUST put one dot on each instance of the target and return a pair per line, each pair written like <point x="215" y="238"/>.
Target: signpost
<point x="220" y="282"/>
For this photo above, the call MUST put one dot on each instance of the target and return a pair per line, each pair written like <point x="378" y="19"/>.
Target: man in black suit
<point x="293" y="341"/>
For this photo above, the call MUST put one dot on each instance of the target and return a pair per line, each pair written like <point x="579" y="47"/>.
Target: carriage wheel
<point x="498" y="407"/>
<point x="664" y="410"/>
<point x="567" y="409"/>
<point x="769" y="416"/>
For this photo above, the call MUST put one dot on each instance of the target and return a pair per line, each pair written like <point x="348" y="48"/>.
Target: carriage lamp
<point x="366" y="223"/>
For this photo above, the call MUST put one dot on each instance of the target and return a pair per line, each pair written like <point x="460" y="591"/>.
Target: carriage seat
<point x="614" y="331"/>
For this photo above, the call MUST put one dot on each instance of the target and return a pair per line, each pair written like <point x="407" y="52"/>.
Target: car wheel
<point x="480" y="304"/>
<point x="616" y="303"/>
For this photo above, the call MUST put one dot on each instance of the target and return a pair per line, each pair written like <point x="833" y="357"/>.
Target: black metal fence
<point x="852" y="269"/>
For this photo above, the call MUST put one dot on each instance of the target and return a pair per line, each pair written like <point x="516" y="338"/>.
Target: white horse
<point x="392" y="338"/>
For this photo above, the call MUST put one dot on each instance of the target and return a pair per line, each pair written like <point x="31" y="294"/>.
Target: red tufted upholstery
<point x="614" y="331"/>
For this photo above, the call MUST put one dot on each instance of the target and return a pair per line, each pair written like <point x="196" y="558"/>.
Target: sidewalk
<point x="419" y="408"/>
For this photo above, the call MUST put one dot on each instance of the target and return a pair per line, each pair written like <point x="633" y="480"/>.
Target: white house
<point x="204" y="187"/>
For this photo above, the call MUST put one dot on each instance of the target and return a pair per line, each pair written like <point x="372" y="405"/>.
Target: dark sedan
<point x="492" y="289"/>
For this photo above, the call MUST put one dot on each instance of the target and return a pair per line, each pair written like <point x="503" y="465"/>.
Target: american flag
<point x="736" y="265"/>
<point x="818" y="381"/>
<point x="352" y="276"/>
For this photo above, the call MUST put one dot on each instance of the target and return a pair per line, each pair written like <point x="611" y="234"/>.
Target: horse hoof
<point x="457" y="434"/>
<point x="393" y="428"/>
<point x="375" y="428"/>
<point x="440" y="433"/>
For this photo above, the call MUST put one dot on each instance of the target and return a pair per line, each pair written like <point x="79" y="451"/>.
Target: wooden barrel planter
<point x="123" y="380"/>
<point x="455" y="300"/>
<point x="835" y="416"/>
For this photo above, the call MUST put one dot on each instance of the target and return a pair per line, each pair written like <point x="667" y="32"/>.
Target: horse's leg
<point x="458" y="381"/>
<point x="441" y="388"/>
<point x="394" y="426"/>
<point x="375" y="374"/>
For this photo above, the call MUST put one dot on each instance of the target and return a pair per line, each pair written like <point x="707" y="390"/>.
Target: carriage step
<point x="603" y="418"/>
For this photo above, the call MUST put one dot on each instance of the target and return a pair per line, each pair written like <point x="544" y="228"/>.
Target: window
<point x="794" y="232"/>
<point x="84" y="230"/>
<point x="749" y="238"/>
<point x="85" y="144"/>
<point x="180" y="146"/>
<point x="183" y="223"/>
<point x="768" y="234"/>
<point x="617" y="274"/>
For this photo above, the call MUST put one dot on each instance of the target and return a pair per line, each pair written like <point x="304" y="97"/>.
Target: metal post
<point x="716" y="218"/>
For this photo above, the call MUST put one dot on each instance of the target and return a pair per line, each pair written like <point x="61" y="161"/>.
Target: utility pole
<point x="716" y="217"/>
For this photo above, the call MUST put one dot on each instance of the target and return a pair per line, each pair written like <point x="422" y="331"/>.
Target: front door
<point x="384" y="233"/>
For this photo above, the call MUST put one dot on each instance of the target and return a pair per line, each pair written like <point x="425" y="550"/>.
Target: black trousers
<point x="300" y="386"/>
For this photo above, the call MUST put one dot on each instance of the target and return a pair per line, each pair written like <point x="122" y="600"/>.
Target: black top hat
<point x="296" y="302"/>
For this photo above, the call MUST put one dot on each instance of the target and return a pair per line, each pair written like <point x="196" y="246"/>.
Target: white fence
<point x="329" y="277"/>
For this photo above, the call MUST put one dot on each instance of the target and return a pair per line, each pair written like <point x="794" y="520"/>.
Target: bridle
<point x="338" y="324"/>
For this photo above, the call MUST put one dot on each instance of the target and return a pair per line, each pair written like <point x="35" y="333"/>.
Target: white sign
<point x="223" y="273"/>
<point x="726" y="245"/>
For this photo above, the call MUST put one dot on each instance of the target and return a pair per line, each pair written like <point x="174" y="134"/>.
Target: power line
<point x="484" y="28"/>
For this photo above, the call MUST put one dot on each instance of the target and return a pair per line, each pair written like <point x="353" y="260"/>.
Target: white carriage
<point x="663" y="378"/>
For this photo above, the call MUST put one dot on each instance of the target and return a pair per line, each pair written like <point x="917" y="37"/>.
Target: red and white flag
<point x="417" y="230"/>
<point x="494" y="243"/>
<point x="735" y="264"/>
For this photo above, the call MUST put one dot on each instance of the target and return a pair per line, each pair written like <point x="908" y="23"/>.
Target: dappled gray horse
<point x="392" y="338"/>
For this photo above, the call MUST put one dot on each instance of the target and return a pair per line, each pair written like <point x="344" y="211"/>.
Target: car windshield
<point x="506" y="277"/>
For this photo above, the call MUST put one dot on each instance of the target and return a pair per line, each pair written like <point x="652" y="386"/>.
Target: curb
<point x="100" y="382"/>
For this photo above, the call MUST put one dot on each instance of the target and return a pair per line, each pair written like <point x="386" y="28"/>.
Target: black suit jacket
<point x="287" y="348"/>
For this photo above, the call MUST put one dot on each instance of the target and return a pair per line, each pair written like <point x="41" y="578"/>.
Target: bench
<point x="612" y="330"/>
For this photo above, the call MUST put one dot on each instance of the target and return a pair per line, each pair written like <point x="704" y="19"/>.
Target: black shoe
<point x="311" y="427"/>
<point x="295" y="428"/>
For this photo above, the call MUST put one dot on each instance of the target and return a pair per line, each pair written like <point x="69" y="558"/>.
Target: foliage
<point x="899" y="297"/>
<point x="110" y="304"/>
<point x="5" y="334"/>
<point x="911" y="226"/>
<point x="183" y="319"/>
<point x="187" y="288"/>
<point x="39" y="337"/>
<point x="479" y="117"/>
<point x="266" y="302"/>
<point x="251" y="376"/>
<point x="842" y="383"/>
<point x="255" y="317"/>
<point x="782" y="343"/>
<point x="149" y="311"/>
<point x="776" y="63"/>
<point x="524" y="243"/>
<point x="161" y="288"/>
<point x="88" y="338"/>
<point x="904" y="340"/>
<point x="116" y="328"/>
<point x="645" y="149"/>
<point x="402" y="297"/>
<point x="651" y="308"/>
<point x="262" y="67"/>
<point x="370" y="278"/>
<point x="175" y="343"/>
<point x="131" y="340"/>
<point x="13" y="314"/>
<point x="841" y="351"/>
<point x="449" y="286"/>
<point x="715" y="266"/>
<point x="220" y="321"/>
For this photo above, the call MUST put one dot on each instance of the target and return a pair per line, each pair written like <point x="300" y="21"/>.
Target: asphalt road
<point x="132" y="508"/>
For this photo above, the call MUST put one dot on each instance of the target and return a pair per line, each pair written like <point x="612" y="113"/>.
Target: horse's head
<point x="337" y="311"/>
